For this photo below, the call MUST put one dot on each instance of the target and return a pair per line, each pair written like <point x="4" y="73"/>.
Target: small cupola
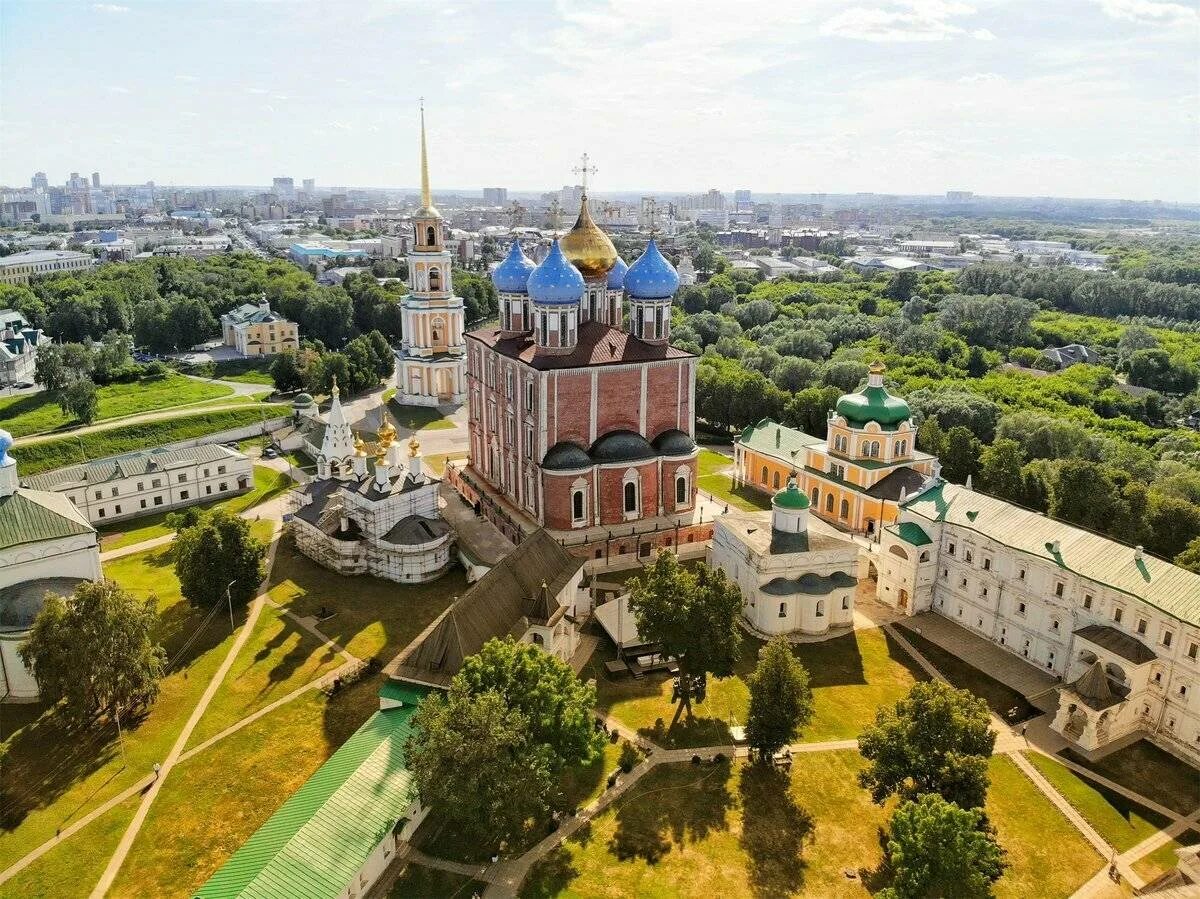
<point x="789" y="509"/>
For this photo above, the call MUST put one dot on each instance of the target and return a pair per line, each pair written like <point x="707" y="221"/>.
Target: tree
<point x="934" y="740"/>
<point x="216" y="550"/>
<point x="781" y="699"/>
<point x="556" y="704"/>
<point x="960" y="458"/>
<point x="1000" y="469"/>
<point x="792" y="373"/>
<point x="1083" y="493"/>
<point x="1172" y="523"/>
<point x="80" y="401"/>
<point x="902" y="286"/>
<point x="845" y="374"/>
<point x="96" y="652"/>
<point x="692" y="617"/>
<point x="1190" y="557"/>
<point x="936" y="848"/>
<point x="958" y="407"/>
<point x="977" y="364"/>
<point x="473" y="758"/>
<point x="286" y="371"/>
<point x="930" y="437"/>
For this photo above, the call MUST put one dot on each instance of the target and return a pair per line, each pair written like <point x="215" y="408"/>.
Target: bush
<point x="629" y="758"/>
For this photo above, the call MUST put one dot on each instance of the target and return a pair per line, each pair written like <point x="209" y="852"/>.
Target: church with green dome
<point x="857" y="475"/>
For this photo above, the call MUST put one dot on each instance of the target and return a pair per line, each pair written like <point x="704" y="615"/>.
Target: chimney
<point x="778" y="436"/>
<point x="1137" y="552"/>
<point x="968" y="484"/>
<point x="1056" y="547"/>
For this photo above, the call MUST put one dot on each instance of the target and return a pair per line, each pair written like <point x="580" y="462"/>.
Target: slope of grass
<point x="419" y="418"/>
<point x="47" y="455"/>
<point x="722" y="489"/>
<point x="38" y="413"/>
<point x="1151" y="772"/>
<point x="255" y="370"/>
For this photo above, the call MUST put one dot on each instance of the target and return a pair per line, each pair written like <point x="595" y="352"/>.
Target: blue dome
<point x="651" y="277"/>
<point x="6" y="441"/>
<point x="512" y="275"/>
<point x="616" y="274"/>
<point x="555" y="281"/>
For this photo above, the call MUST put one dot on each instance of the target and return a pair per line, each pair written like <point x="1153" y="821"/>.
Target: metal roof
<point x="127" y="465"/>
<point x="779" y="442"/>
<point x="1154" y="581"/>
<point x="317" y="842"/>
<point x="30" y="516"/>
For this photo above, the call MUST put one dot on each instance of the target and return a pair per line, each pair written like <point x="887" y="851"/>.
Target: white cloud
<point x="110" y="8"/>
<point x="1153" y="12"/>
<point x="982" y="34"/>
<point x="903" y="22"/>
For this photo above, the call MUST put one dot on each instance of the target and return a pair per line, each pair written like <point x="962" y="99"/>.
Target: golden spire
<point x="360" y="448"/>
<point x="587" y="247"/>
<point x="426" y="193"/>
<point x="414" y="446"/>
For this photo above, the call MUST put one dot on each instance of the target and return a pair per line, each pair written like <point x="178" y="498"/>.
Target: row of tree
<point x="360" y="365"/>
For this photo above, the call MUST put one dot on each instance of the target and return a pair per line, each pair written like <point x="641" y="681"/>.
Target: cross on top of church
<point x="651" y="207"/>
<point x="583" y="170"/>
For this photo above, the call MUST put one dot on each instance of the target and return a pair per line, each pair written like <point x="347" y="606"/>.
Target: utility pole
<point x="229" y="599"/>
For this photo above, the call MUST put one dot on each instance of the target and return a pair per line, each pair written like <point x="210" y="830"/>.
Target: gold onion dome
<point x="387" y="434"/>
<point x="587" y="247"/>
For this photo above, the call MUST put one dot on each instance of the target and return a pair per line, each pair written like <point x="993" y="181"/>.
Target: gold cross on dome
<point x="583" y="170"/>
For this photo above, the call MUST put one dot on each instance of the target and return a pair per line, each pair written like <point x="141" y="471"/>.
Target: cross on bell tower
<point x="583" y="170"/>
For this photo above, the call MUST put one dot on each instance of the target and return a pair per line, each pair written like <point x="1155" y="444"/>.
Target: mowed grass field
<point x="39" y="413"/>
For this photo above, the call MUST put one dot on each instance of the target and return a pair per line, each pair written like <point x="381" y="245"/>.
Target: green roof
<point x="402" y="691"/>
<point x="315" y="844"/>
<point x="30" y="516"/>
<point x="791" y="497"/>
<point x="873" y="404"/>
<point x="1168" y="587"/>
<point x="911" y="532"/>
<point x="778" y="441"/>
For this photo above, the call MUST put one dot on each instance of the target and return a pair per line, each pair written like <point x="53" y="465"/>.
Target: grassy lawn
<point x="38" y="413"/>
<point x="710" y="462"/>
<point x="418" y="880"/>
<point x="268" y="484"/>
<point x="437" y="462"/>
<point x="246" y="371"/>
<point x="1150" y="771"/>
<point x="1001" y="699"/>
<point x="54" y="775"/>
<point x="69" y="450"/>
<point x="419" y="418"/>
<point x="720" y="486"/>
<point x="852" y="676"/>
<point x="1121" y="822"/>
<point x="372" y="617"/>
<point x="1047" y="856"/>
<point x="1155" y="864"/>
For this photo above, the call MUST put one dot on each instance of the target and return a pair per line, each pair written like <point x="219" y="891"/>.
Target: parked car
<point x="269" y="453"/>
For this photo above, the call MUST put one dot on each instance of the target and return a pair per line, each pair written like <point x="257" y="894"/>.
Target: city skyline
<point x="1085" y="100"/>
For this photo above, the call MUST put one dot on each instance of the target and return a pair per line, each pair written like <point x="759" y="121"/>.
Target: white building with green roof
<point x="46" y="546"/>
<point x="1119" y="629"/>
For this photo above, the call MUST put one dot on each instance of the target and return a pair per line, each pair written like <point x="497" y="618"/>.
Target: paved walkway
<point x="139" y="818"/>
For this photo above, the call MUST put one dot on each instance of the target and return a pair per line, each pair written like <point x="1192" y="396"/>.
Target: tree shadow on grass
<point x="880" y="877"/>
<point x="774" y="831"/>
<point x="551" y="876"/>
<point x="836" y="662"/>
<point x="689" y="732"/>
<point x="672" y="805"/>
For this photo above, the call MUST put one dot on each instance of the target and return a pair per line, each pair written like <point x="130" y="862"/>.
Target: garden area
<point x="851" y="676"/>
<point x="418" y="418"/>
<point x="713" y="479"/>
<point x="741" y="830"/>
<point x="39" y="413"/>
<point x="255" y="370"/>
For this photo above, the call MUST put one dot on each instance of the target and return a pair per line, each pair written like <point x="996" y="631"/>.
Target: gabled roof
<point x="31" y="516"/>
<point x="778" y="441"/>
<point x="1159" y="583"/>
<point x="889" y="486"/>
<point x="1094" y="689"/>
<point x="142" y="462"/>
<point x="1127" y="647"/>
<point x="910" y="532"/>
<point x="506" y="596"/>
<point x="598" y="344"/>
<point x="317" y="842"/>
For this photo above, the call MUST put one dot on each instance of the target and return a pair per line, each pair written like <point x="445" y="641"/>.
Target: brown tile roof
<point x="599" y="344"/>
<point x="499" y="603"/>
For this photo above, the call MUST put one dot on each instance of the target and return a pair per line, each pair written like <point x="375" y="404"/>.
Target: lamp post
<point x="229" y="599"/>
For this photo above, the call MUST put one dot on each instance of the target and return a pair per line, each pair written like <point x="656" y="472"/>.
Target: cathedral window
<point x="820" y="608"/>
<point x="775" y="481"/>
<point x="764" y="476"/>
<point x="629" y="493"/>
<point x="829" y="503"/>
<point x="681" y="489"/>
<point x="845" y="508"/>
<point x="435" y="280"/>
<point x="430" y="236"/>
<point x="529" y="396"/>
<point x="816" y="496"/>
<point x="783" y="610"/>
<point x="577" y="506"/>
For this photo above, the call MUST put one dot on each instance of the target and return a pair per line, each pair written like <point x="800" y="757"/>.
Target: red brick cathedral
<point x="581" y="412"/>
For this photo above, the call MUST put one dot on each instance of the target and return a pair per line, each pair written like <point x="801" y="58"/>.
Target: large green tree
<point x="935" y="740"/>
<point x="960" y="457"/>
<point x="475" y="761"/>
<point x="556" y="704"/>
<point x="693" y="617"/>
<point x="936" y="849"/>
<point x="1000" y="469"/>
<point x="96" y="652"/>
<point x="781" y="700"/>
<point x="215" y="552"/>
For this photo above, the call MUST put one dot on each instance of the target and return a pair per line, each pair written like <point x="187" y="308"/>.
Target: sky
<point x="1068" y="98"/>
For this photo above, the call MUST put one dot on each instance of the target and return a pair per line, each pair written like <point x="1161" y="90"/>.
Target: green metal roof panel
<point x="315" y="844"/>
<point x="402" y="691"/>
<point x="911" y="532"/>
<point x="873" y="404"/>
<point x="778" y="441"/>
<point x="30" y="516"/>
<point x="1168" y="587"/>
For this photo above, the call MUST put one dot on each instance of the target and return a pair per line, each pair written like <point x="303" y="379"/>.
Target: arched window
<point x="538" y="639"/>
<point x="783" y="610"/>
<point x="764" y="475"/>
<point x="775" y="481"/>
<point x="829" y="503"/>
<point x="435" y="279"/>
<point x="430" y="236"/>
<point x="873" y="449"/>
<point x="901" y="447"/>
<point x="681" y="491"/>
<point x="435" y="329"/>
<point x="897" y="551"/>
<point x="924" y="556"/>
<point x="820" y="608"/>
<point x="845" y="508"/>
<point x="577" y="505"/>
<point x="816" y="496"/>
<point x="631" y="504"/>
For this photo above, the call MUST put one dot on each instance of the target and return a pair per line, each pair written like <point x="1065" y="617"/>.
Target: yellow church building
<point x="857" y="476"/>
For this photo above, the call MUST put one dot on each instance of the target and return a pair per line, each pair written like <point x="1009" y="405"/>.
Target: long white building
<point x="19" y="268"/>
<point x="120" y="487"/>
<point x="1118" y="627"/>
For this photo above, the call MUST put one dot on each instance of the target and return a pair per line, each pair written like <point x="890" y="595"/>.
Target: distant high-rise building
<point x="310" y="185"/>
<point x="714" y="199"/>
<point x="40" y="182"/>
<point x="495" y="196"/>
<point x="741" y="196"/>
<point x="570" y="196"/>
<point x="959" y="196"/>
<point x="95" y="179"/>
<point x="285" y="188"/>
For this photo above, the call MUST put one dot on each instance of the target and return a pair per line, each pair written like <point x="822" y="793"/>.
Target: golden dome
<point x="360" y="448"/>
<point x="387" y="434"/>
<point x="414" y="446"/>
<point x="587" y="247"/>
